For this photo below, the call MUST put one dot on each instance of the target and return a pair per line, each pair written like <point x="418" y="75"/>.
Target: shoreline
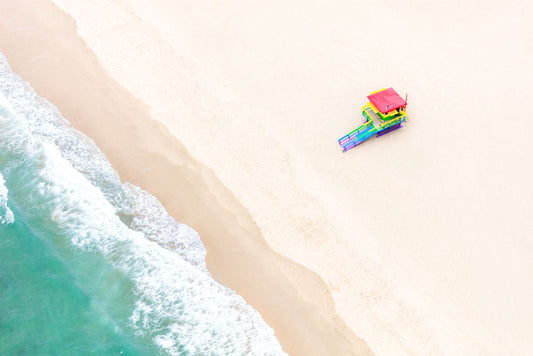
<point x="420" y="237"/>
<point x="63" y="70"/>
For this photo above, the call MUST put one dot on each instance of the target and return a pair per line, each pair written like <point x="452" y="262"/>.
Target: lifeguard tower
<point x="384" y="113"/>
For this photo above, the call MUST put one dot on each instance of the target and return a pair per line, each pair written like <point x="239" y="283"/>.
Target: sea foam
<point x="144" y="269"/>
<point x="6" y="215"/>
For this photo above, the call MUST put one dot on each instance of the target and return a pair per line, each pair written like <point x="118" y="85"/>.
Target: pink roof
<point x="387" y="100"/>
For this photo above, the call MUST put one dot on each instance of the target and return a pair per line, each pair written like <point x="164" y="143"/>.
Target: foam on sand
<point x="146" y="271"/>
<point x="406" y="230"/>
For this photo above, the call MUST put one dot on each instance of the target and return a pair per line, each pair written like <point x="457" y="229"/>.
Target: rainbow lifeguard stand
<point x="384" y="113"/>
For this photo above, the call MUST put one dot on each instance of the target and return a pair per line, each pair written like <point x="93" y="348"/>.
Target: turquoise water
<point x="42" y="308"/>
<point x="90" y="265"/>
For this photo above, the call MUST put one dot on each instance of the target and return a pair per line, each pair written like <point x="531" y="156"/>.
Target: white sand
<point x="42" y="46"/>
<point x="424" y="236"/>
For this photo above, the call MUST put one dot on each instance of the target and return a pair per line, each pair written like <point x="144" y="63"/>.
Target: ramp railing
<point x="360" y="137"/>
<point x="352" y="135"/>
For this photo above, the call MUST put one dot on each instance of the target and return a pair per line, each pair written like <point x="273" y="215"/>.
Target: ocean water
<point x="90" y="265"/>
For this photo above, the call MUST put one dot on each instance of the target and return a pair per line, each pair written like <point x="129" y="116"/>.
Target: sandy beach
<point x="42" y="46"/>
<point x="419" y="242"/>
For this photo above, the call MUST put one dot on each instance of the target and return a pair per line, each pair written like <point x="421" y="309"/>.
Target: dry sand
<point x="42" y="46"/>
<point x="424" y="237"/>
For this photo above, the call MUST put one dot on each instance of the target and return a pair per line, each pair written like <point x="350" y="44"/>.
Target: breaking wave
<point x="144" y="269"/>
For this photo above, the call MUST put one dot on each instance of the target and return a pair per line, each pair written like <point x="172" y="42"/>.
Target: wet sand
<point x="423" y="237"/>
<point x="43" y="47"/>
